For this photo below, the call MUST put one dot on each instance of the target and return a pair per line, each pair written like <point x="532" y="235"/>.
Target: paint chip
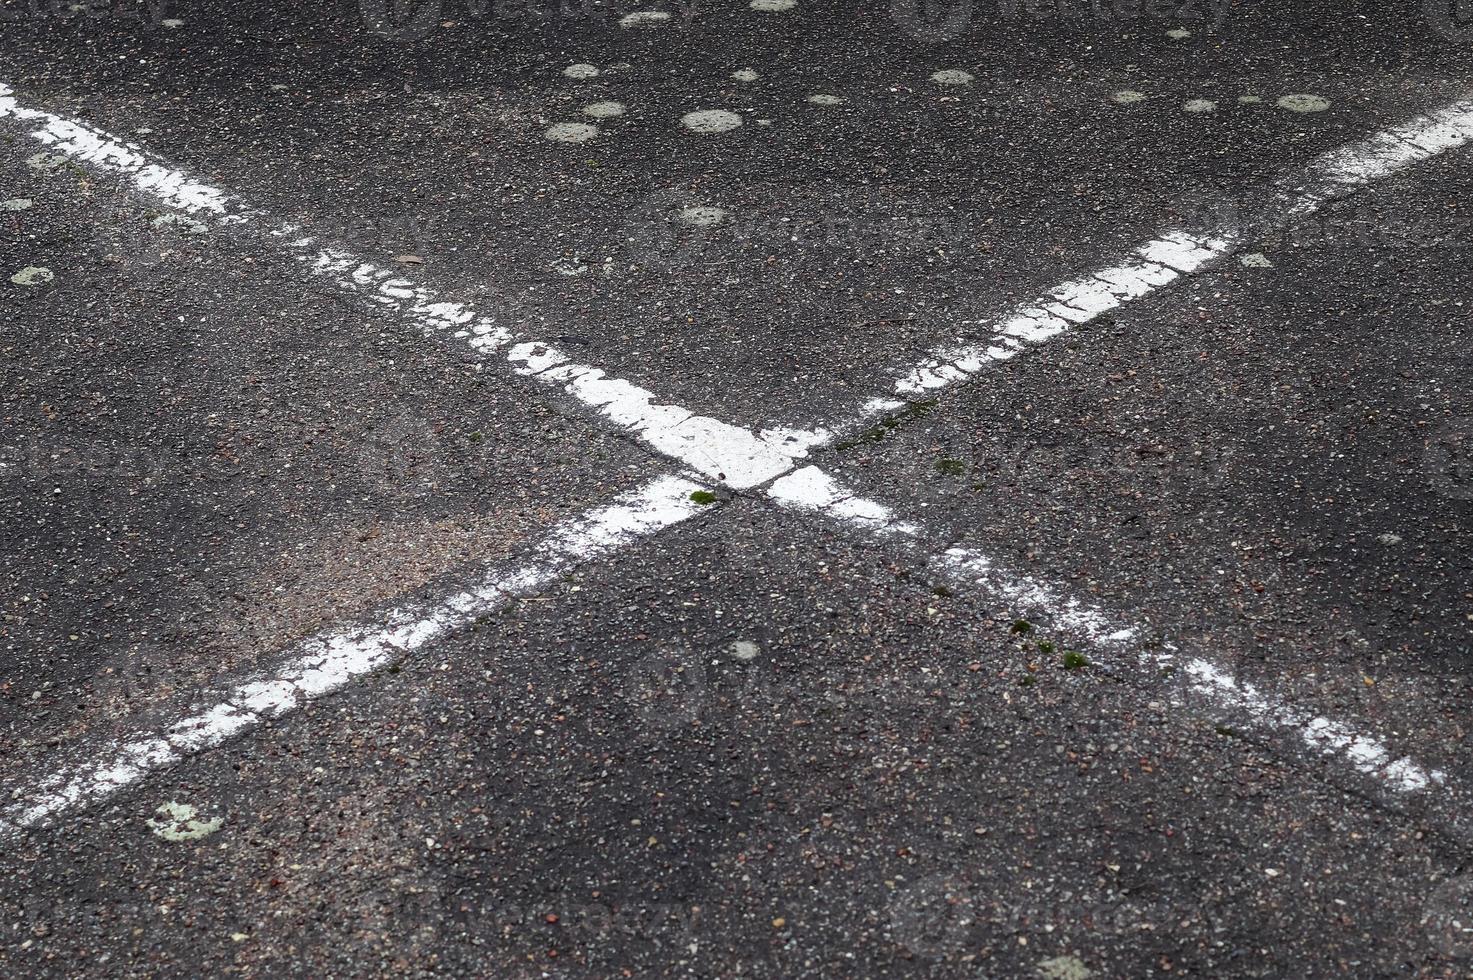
<point x="1199" y="105"/>
<point x="604" y="110"/>
<point x="1256" y="260"/>
<point x="1126" y="96"/>
<point x="33" y="275"/>
<point x="710" y="121"/>
<point x="644" y="18"/>
<point x="772" y="6"/>
<point x="570" y="132"/>
<point x="581" y="70"/>
<point x="180" y="822"/>
<point x="825" y="99"/>
<point x="16" y="204"/>
<point x="1303" y="103"/>
<point x="745" y="75"/>
<point x="1389" y="540"/>
<point x="952" y="76"/>
<point x="172" y="23"/>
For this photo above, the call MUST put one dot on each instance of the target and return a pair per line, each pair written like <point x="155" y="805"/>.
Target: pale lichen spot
<point x="745" y="75"/>
<point x="772" y="6"/>
<point x="604" y="110"/>
<point x="1250" y="99"/>
<point x="16" y="204"/>
<point x="1064" y="968"/>
<point x="570" y="132"/>
<point x="1256" y="260"/>
<point x="644" y="18"/>
<point x="45" y="161"/>
<point x="1126" y="96"/>
<point x="581" y="71"/>
<point x="701" y="216"/>
<point x="183" y="223"/>
<point x="952" y="76"/>
<point x="744" y="650"/>
<point x="1303" y="103"/>
<point x="710" y="121"/>
<point x="571" y="268"/>
<point x="180" y="822"/>
<point x="172" y="23"/>
<point x="33" y="275"/>
<point x="824" y="99"/>
<point x="1199" y="105"/>
<point x="1178" y="33"/>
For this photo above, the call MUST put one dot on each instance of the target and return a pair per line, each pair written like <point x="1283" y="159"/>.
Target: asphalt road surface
<point x="790" y="489"/>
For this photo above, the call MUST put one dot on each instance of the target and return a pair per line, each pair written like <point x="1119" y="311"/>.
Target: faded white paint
<point x="334" y="658"/>
<point x="731" y="454"/>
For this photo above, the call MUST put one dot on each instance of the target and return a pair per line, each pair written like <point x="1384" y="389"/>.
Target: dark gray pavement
<point x="751" y="745"/>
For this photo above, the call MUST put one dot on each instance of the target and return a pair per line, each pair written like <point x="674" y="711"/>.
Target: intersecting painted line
<point x="813" y="490"/>
<point x="733" y="455"/>
<point x="1172" y="255"/>
<point x="332" y="659"/>
<point x="736" y="456"/>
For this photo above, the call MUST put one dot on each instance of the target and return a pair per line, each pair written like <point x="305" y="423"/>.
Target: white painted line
<point x="1175" y="253"/>
<point x="330" y="660"/>
<point x="733" y="455"/>
<point x="813" y="491"/>
<point x="87" y="145"/>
